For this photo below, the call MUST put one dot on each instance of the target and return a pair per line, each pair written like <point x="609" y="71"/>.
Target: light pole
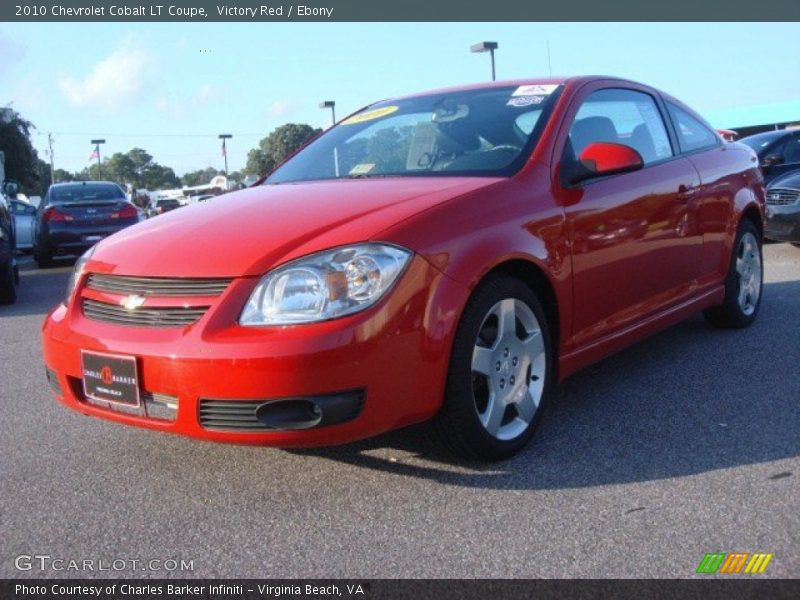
<point x="223" y="137"/>
<point x="332" y="105"/>
<point x="489" y="47"/>
<point x="97" y="152"/>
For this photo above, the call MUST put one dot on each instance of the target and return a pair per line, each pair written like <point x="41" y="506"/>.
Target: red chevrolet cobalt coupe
<point x="451" y="254"/>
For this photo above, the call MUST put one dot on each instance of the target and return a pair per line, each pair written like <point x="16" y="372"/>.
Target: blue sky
<point x="170" y="88"/>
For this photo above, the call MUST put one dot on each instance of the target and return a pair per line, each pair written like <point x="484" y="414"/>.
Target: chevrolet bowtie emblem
<point x="132" y="302"/>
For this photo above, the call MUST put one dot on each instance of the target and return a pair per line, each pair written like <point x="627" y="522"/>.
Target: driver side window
<point x="623" y="117"/>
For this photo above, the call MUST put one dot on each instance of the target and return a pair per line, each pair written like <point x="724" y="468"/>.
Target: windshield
<point x="86" y="192"/>
<point x="487" y="132"/>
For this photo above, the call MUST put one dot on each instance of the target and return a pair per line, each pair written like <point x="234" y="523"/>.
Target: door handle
<point x="685" y="192"/>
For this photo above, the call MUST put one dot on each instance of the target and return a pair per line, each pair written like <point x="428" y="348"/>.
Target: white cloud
<point x="207" y="92"/>
<point x="279" y="108"/>
<point x="11" y="51"/>
<point x="112" y="83"/>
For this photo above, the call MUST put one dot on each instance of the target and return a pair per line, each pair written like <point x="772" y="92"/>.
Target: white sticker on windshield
<point x="362" y="169"/>
<point x="536" y="89"/>
<point x="525" y="101"/>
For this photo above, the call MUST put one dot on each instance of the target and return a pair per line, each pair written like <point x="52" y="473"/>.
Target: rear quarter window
<point x="693" y="134"/>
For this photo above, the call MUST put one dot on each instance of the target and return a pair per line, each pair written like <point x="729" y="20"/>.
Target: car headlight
<point x="325" y="285"/>
<point x="77" y="272"/>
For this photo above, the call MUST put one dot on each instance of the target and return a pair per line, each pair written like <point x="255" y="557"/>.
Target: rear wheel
<point x="43" y="259"/>
<point x="744" y="283"/>
<point x="499" y="372"/>
<point x="8" y="281"/>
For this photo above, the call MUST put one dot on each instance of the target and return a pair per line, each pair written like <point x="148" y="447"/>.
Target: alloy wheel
<point x="748" y="266"/>
<point x="508" y="369"/>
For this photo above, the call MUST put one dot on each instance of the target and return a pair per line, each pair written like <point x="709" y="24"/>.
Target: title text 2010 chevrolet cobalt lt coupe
<point x="449" y="254"/>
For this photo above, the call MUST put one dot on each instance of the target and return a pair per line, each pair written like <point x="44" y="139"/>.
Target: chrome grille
<point x="230" y="415"/>
<point x="173" y="316"/>
<point x="157" y="286"/>
<point x="782" y="196"/>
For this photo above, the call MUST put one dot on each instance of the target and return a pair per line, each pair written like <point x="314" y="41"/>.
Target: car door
<point x="23" y="220"/>
<point x="634" y="236"/>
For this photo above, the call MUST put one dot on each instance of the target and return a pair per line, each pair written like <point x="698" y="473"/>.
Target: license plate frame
<point x="122" y="390"/>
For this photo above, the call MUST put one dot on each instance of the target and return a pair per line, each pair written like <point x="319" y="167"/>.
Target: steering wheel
<point x="507" y="147"/>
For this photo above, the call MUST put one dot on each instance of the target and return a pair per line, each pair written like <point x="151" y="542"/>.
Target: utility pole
<point x="52" y="168"/>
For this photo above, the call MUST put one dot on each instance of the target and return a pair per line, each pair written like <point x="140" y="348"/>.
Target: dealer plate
<point x="110" y="378"/>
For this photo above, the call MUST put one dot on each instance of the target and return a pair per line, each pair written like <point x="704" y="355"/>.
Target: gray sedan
<point x="24" y="217"/>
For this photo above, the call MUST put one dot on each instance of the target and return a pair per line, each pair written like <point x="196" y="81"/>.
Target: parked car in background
<point x="163" y="205"/>
<point x="778" y="151"/>
<point x="783" y="209"/>
<point x="506" y="235"/>
<point x="9" y="271"/>
<point x="24" y="219"/>
<point x="74" y="216"/>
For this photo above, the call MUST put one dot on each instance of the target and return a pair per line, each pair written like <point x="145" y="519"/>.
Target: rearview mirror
<point x="11" y="188"/>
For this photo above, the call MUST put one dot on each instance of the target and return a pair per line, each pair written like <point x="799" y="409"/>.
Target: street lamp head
<point x="225" y="136"/>
<point x="483" y="47"/>
<point x="98" y="141"/>
<point x="327" y="104"/>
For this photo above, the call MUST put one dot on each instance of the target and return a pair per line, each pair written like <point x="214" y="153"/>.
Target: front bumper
<point x="783" y="223"/>
<point x="396" y="354"/>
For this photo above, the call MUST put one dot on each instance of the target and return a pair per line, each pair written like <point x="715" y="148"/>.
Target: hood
<point x="246" y="233"/>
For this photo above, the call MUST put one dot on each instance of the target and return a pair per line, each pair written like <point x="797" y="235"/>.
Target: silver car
<point x="24" y="217"/>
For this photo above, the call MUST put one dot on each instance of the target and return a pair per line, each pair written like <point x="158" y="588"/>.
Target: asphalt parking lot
<point x="684" y="444"/>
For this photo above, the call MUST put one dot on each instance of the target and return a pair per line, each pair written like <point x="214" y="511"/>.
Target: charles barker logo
<point x="107" y="375"/>
<point x="734" y="562"/>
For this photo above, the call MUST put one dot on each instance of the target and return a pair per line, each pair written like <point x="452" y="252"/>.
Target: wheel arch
<point x="535" y="278"/>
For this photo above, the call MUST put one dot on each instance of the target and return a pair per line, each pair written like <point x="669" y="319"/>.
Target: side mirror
<point x="770" y="160"/>
<point x="11" y="188"/>
<point x="604" y="158"/>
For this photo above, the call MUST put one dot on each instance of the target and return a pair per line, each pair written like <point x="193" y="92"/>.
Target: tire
<point x="796" y="244"/>
<point x="8" y="281"/>
<point x="508" y="370"/>
<point x="43" y="260"/>
<point x="743" y="284"/>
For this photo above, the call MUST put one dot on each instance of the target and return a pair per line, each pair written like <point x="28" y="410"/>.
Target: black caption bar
<point x="395" y="589"/>
<point x="400" y="10"/>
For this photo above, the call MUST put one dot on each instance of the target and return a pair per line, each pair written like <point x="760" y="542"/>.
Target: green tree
<point x="62" y="175"/>
<point x="200" y="177"/>
<point x="277" y="146"/>
<point x="257" y="163"/>
<point x="21" y="156"/>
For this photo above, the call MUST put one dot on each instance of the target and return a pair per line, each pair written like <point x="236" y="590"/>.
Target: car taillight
<point x="53" y="214"/>
<point x="126" y="213"/>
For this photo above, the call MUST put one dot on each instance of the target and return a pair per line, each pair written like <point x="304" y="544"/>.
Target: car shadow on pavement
<point x="39" y="289"/>
<point x="689" y="400"/>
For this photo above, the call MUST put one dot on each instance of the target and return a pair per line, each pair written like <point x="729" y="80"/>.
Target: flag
<point x="94" y="155"/>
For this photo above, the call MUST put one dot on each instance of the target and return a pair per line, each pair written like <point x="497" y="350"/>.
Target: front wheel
<point x="499" y="372"/>
<point x="744" y="283"/>
<point x="8" y="282"/>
